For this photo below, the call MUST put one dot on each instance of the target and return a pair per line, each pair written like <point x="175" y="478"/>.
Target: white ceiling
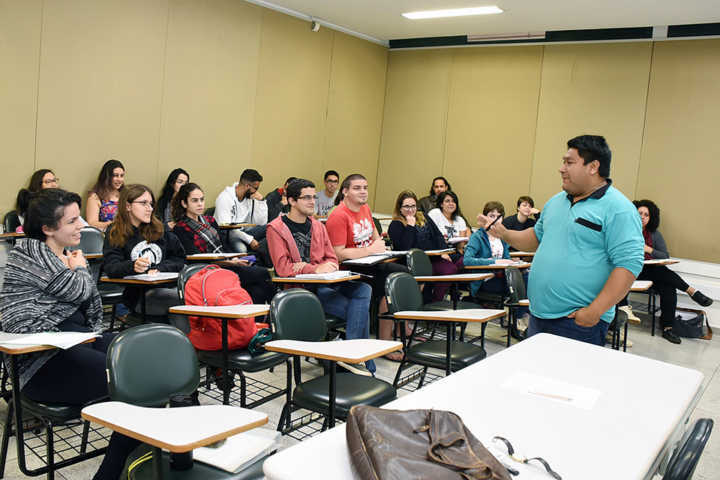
<point x="381" y="19"/>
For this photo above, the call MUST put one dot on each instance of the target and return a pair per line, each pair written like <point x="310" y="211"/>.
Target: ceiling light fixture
<point x="455" y="12"/>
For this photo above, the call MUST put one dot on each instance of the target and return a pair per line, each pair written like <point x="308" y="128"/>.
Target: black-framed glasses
<point x="522" y="459"/>
<point x="307" y="198"/>
<point x="409" y="207"/>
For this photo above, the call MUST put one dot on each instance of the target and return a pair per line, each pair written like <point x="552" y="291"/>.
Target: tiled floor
<point x="699" y="354"/>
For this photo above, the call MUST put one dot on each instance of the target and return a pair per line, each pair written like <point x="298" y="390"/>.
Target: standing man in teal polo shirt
<point x="589" y="248"/>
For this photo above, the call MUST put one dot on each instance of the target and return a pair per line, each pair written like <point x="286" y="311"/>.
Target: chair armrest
<point x="175" y="429"/>
<point x="350" y="351"/>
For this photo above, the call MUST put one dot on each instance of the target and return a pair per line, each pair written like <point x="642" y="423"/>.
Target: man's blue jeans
<point x="566" y="327"/>
<point x="351" y="302"/>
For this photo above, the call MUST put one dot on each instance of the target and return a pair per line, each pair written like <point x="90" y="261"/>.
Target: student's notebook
<point x="239" y="451"/>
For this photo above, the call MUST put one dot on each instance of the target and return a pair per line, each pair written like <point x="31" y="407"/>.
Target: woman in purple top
<point x="103" y="198"/>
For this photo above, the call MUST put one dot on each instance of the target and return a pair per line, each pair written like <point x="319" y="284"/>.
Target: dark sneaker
<point x="701" y="299"/>
<point x="670" y="336"/>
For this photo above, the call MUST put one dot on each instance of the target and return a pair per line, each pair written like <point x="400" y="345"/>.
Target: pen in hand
<point x="487" y="229"/>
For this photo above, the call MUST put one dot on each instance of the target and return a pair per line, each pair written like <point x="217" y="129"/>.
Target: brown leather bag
<point x="397" y="444"/>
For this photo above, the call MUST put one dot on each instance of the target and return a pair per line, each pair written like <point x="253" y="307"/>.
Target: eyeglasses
<point x="146" y="204"/>
<point x="332" y="181"/>
<point x="521" y="459"/>
<point x="409" y="207"/>
<point x="52" y="180"/>
<point x="307" y="198"/>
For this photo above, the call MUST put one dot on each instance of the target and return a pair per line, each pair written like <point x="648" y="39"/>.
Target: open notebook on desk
<point x="152" y="278"/>
<point x="62" y="340"/>
<point x="325" y="276"/>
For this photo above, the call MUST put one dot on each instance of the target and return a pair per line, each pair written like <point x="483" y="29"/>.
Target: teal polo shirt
<point x="580" y="245"/>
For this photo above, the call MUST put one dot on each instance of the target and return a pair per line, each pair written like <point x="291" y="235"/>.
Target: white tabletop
<point x="462" y="315"/>
<point x="223" y="311"/>
<point x="639" y="405"/>
<point x="456" y="277"/>
<point x="640" y="285"/>
<point x="176" y="429"/>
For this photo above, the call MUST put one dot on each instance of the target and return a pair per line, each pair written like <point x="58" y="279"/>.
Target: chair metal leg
<point x="84" y="438"/>
<point x="422" y="377"/>
<point x="625" y="338"/>
<point x="243" y="390"/>
<point x="50" y="450"/>
<point x="7" y="431"/>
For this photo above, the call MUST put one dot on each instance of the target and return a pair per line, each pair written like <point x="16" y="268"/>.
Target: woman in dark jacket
<point x="138" y="243"/>
<point x="174" y="181"/>
<point x="411" y="229"/>
<point x="198" y="233"/>
<point x="665" y="281"/>
<point x="50" y="289"/>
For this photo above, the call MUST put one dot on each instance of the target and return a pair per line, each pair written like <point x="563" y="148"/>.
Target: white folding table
<point x="626" y="412"/>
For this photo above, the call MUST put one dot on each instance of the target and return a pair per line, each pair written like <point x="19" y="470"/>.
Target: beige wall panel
<point x="491" y="125"/>
<point x="101" y="68"/>
<point x="19" y="57"/>
<point x="679" y="169"/>
<point x="598" y="89"/>
<point x="414" y="124"/>
<point x="209" y="91"/>
<point x="291" y="100"/>
<point x="355" y="109"/>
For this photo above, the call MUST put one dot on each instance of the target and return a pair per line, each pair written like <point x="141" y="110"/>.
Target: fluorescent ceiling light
<point x="455" y="12"/>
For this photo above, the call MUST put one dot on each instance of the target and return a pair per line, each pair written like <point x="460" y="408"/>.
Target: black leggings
<point x="665" y="283"/>
<point x="256" y="280"/>
<point x="75" y="377"/>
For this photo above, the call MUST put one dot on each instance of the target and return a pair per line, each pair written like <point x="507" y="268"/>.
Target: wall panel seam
<point x="163" y="86"/>
<point x="537" y="119"/>
<point x="37" y="84"/>
<point x="645" y="119"/>
<point x="382" y="129"/>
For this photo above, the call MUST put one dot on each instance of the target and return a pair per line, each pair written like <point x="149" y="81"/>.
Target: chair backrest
<point x="298" y="315"/>
<point x="187" y="271"/>
<point x="402" y="292"/>
<point x="149" y="363"/>
<point x="515" y="284"/>
<point x="683" y="462"/>
<point x="210" y="212"/>
<point x="91" y="240"/>
<point x="419" y="263"/>
<point x="11" y="221"/>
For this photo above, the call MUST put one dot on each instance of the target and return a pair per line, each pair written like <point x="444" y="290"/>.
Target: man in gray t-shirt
<point x="326" y="198"/>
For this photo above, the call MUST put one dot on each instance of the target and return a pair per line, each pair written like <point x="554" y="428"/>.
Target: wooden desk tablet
<point x="457" y="277"/>
<point x="211" y="257"/>
<point x="521" y="254"/>
<point x="11" y="235"/>
<point x="567" y="435"/>
<point x="144" y="279"/>
<point x="93" y="256"/>
<point x="496" y="266"/>
<point x="349" y="351"/>
<point x="236" y="226"/>
<point x="31" y="346"/>
<point x="470" y="315"/>
<point x="320" y="281"/>
<point x="226" y="311"/>
<point x="175" y="429"/>
<point x="442" y="251"/>
<point x="641" y="285"/>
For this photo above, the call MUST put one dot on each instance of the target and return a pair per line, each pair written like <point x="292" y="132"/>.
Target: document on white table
<point x="239" y="451"/>
<point x="369" y="260"/>
<point x="454" y="240"/>
<point x="218" y="255"/>
<point x="325" y="276"/>
<point x="150" y="278"/>
<point x="62" y="340"/>
<point x="553" y="390"/>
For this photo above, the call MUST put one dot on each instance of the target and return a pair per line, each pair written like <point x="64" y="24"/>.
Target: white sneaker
<point x="356" y="368"/>
<point x="630" y="315"/>
<point x="523" y="322"/>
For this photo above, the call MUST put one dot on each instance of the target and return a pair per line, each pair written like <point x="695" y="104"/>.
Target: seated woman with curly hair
<point x="665" y="281"/>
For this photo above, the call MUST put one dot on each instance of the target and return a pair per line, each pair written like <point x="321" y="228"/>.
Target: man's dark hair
<point x="250" y="176"/>
<point x="591" y="148"/>
<point x="331" y="172"/>
<point x="294" y="188"/>
<point x="46" y="208"/>
<point x="289" y="180"/>
<point x="433" y="184"/>
<point x="349" y="179"/>
<point x="654" y="210"/>
<point x="494" y="205"/>
<point x="527" y="199"/>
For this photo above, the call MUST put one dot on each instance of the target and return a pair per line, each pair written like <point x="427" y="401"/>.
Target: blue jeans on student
<point x="566" y="327"/>
<point x="351" y="302"/>
<point x="237" y="245"/>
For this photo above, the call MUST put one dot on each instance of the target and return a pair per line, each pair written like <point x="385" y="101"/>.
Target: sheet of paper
<point x="219" y="255"/>
<point x="552" y="390"/>
<point x="454" y="240"/>
<point x="239" y="451"/>
<point x="324" y="276"/>
<point x="157" y="276"/>
<point x="369" y="260"/>
<point x="439" y="252"/>
<point x="62" y="340"/>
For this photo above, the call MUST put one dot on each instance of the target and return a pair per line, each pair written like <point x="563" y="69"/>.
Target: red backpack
<point x="215" y="286"/>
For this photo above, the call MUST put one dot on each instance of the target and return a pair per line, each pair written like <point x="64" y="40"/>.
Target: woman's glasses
<point x="409" y="207"/>
<point x="522" y="459"/>
<point x="146" y="204"/>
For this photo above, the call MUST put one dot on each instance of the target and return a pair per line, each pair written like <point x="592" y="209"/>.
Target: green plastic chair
<point x="298" y="315"/>
<point x="404" y="295"/>
<point x="146" y="365"/>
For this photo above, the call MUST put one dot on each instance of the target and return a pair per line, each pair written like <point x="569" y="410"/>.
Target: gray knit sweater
<point x="39" y="293"/>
